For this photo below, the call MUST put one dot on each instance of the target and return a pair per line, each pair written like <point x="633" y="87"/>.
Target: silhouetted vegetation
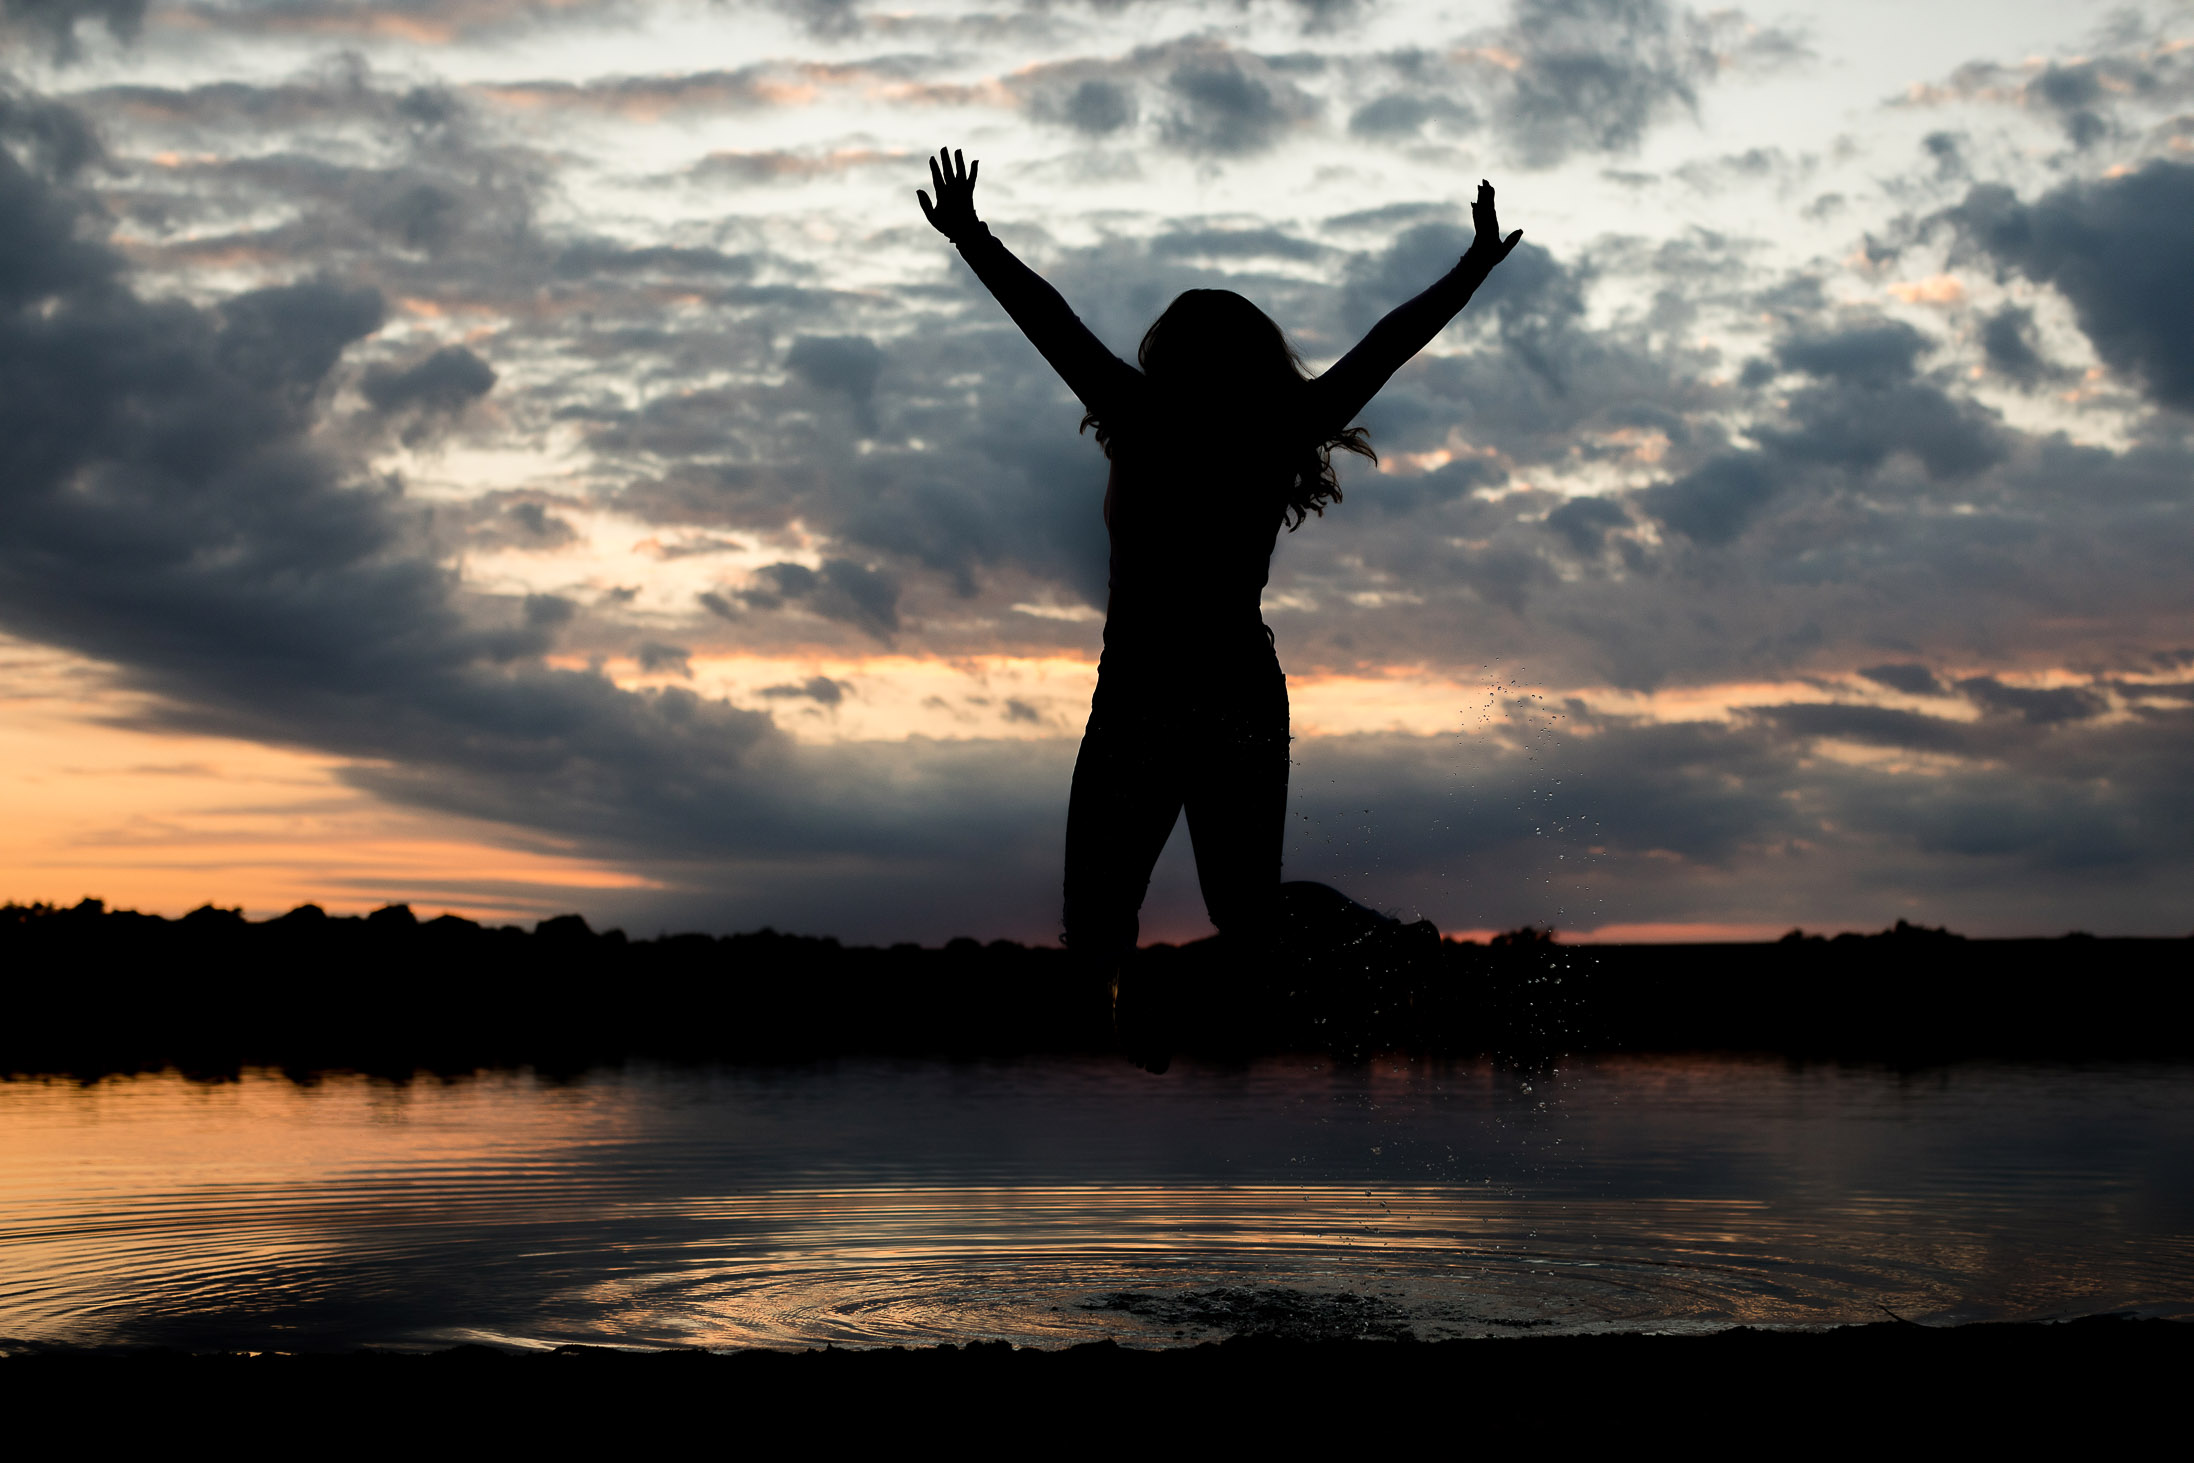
<point x="89" y="990"/>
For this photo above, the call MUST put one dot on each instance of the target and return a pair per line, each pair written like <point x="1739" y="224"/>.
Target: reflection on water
<point x="1049" y="1202"/>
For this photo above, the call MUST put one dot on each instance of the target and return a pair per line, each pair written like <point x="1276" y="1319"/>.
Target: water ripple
<point x="852" y="1206"/>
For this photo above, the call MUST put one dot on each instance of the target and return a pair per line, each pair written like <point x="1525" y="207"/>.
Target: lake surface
<point x="1050" y="1202"/>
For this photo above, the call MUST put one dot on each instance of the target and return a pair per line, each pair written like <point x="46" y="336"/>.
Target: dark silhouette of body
<point x="1215" y="442"/>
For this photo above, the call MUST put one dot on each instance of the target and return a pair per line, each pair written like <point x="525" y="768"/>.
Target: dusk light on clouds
<point x="518" y="457"/>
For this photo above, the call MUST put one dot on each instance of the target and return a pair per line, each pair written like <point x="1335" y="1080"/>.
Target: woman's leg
<point x="1126" y="797"/>
<point x="1236" y="795"/>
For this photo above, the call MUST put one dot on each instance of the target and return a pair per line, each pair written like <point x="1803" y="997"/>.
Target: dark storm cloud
<point x="2117" y="249"/>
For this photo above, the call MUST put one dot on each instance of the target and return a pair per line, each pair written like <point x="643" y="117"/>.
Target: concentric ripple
<point x="884" y="1204"/>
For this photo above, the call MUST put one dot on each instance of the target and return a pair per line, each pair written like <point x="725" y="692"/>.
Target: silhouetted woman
<point x="1215" y="442"/>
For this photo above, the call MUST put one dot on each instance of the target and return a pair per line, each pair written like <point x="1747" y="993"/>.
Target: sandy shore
<point x="1869" y="1387"/>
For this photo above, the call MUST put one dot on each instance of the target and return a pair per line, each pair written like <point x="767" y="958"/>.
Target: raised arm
<point x="1408" y="328"/>
<point x="1105" y="383"/>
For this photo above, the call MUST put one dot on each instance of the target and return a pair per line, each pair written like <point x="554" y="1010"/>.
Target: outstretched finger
<point x="1508" y="244"/>
<point x="936" y="178"/>
<point x="927" y="211"/>
<point x="960" y="162"/>
<point x="972" y="169"/>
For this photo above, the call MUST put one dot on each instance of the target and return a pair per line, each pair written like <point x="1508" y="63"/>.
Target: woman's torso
<point x="1192" y="535"/>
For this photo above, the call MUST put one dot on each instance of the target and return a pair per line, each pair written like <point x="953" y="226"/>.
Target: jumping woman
<point x="1216" y="438"/>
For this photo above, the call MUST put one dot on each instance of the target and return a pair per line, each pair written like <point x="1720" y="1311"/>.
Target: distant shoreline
<point x="93" y="991"/>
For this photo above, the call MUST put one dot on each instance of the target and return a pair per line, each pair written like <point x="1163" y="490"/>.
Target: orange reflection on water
<point x="876" y="1203"/>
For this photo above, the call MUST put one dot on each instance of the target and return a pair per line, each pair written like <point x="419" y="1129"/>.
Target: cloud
<point x="2116" y="249"/>
<point x="2008" y="342"/>
<point x="844" y="363"/>
<point x="1715" y="502"/>
<point x="445" y="382"/>
<point x="1877" y="726"/>
<point x="1872" y="355"/>
<point x="1563" y="77"/>
<point x="655" y="658"/>
<point x="1913" y="680"/>
<point x="780" y="165"/>
<point x="1864" y="406"/>
<point x="172" y="514"/>
<point x="840" y="590"/>
<point x="1093" y="106"/>
<point x="414" y="22"/>
<point x="1599" y="820"/>
<point x="1227" y="104"/>
<point x="2048" y="706"/>
<point x="57" y="22"/>
<point x="1600" y="470"/>
<point x="1584" y="523"/>
<point x="507" y="522"/>
<point x="822" y="690"/>
<point x="761" y="86"/>
<point x="1405" y="115"/>
<point x="2087" y="97"/>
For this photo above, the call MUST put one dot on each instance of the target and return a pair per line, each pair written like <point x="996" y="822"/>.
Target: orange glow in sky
<point x="164" y="822"/>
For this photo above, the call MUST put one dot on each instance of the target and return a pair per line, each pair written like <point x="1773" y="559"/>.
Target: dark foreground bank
<point x="88" y="990"/>
<point x="1864" y="1388"/>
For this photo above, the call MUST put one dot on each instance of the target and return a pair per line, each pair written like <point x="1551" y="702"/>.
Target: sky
<point x="519" y="456"/>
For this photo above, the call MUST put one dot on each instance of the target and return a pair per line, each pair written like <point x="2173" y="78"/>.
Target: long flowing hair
<point x="1215" y="359"/>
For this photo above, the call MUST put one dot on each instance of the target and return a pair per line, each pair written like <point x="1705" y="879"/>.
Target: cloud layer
<point x="1845" y="563"/>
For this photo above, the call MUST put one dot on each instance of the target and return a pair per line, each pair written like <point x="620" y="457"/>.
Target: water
<point x="1051" y="1202"/>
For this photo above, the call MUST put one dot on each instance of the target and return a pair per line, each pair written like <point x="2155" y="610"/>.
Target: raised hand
<point x="953" y="214"/>
<point x="1489" y="247"/>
